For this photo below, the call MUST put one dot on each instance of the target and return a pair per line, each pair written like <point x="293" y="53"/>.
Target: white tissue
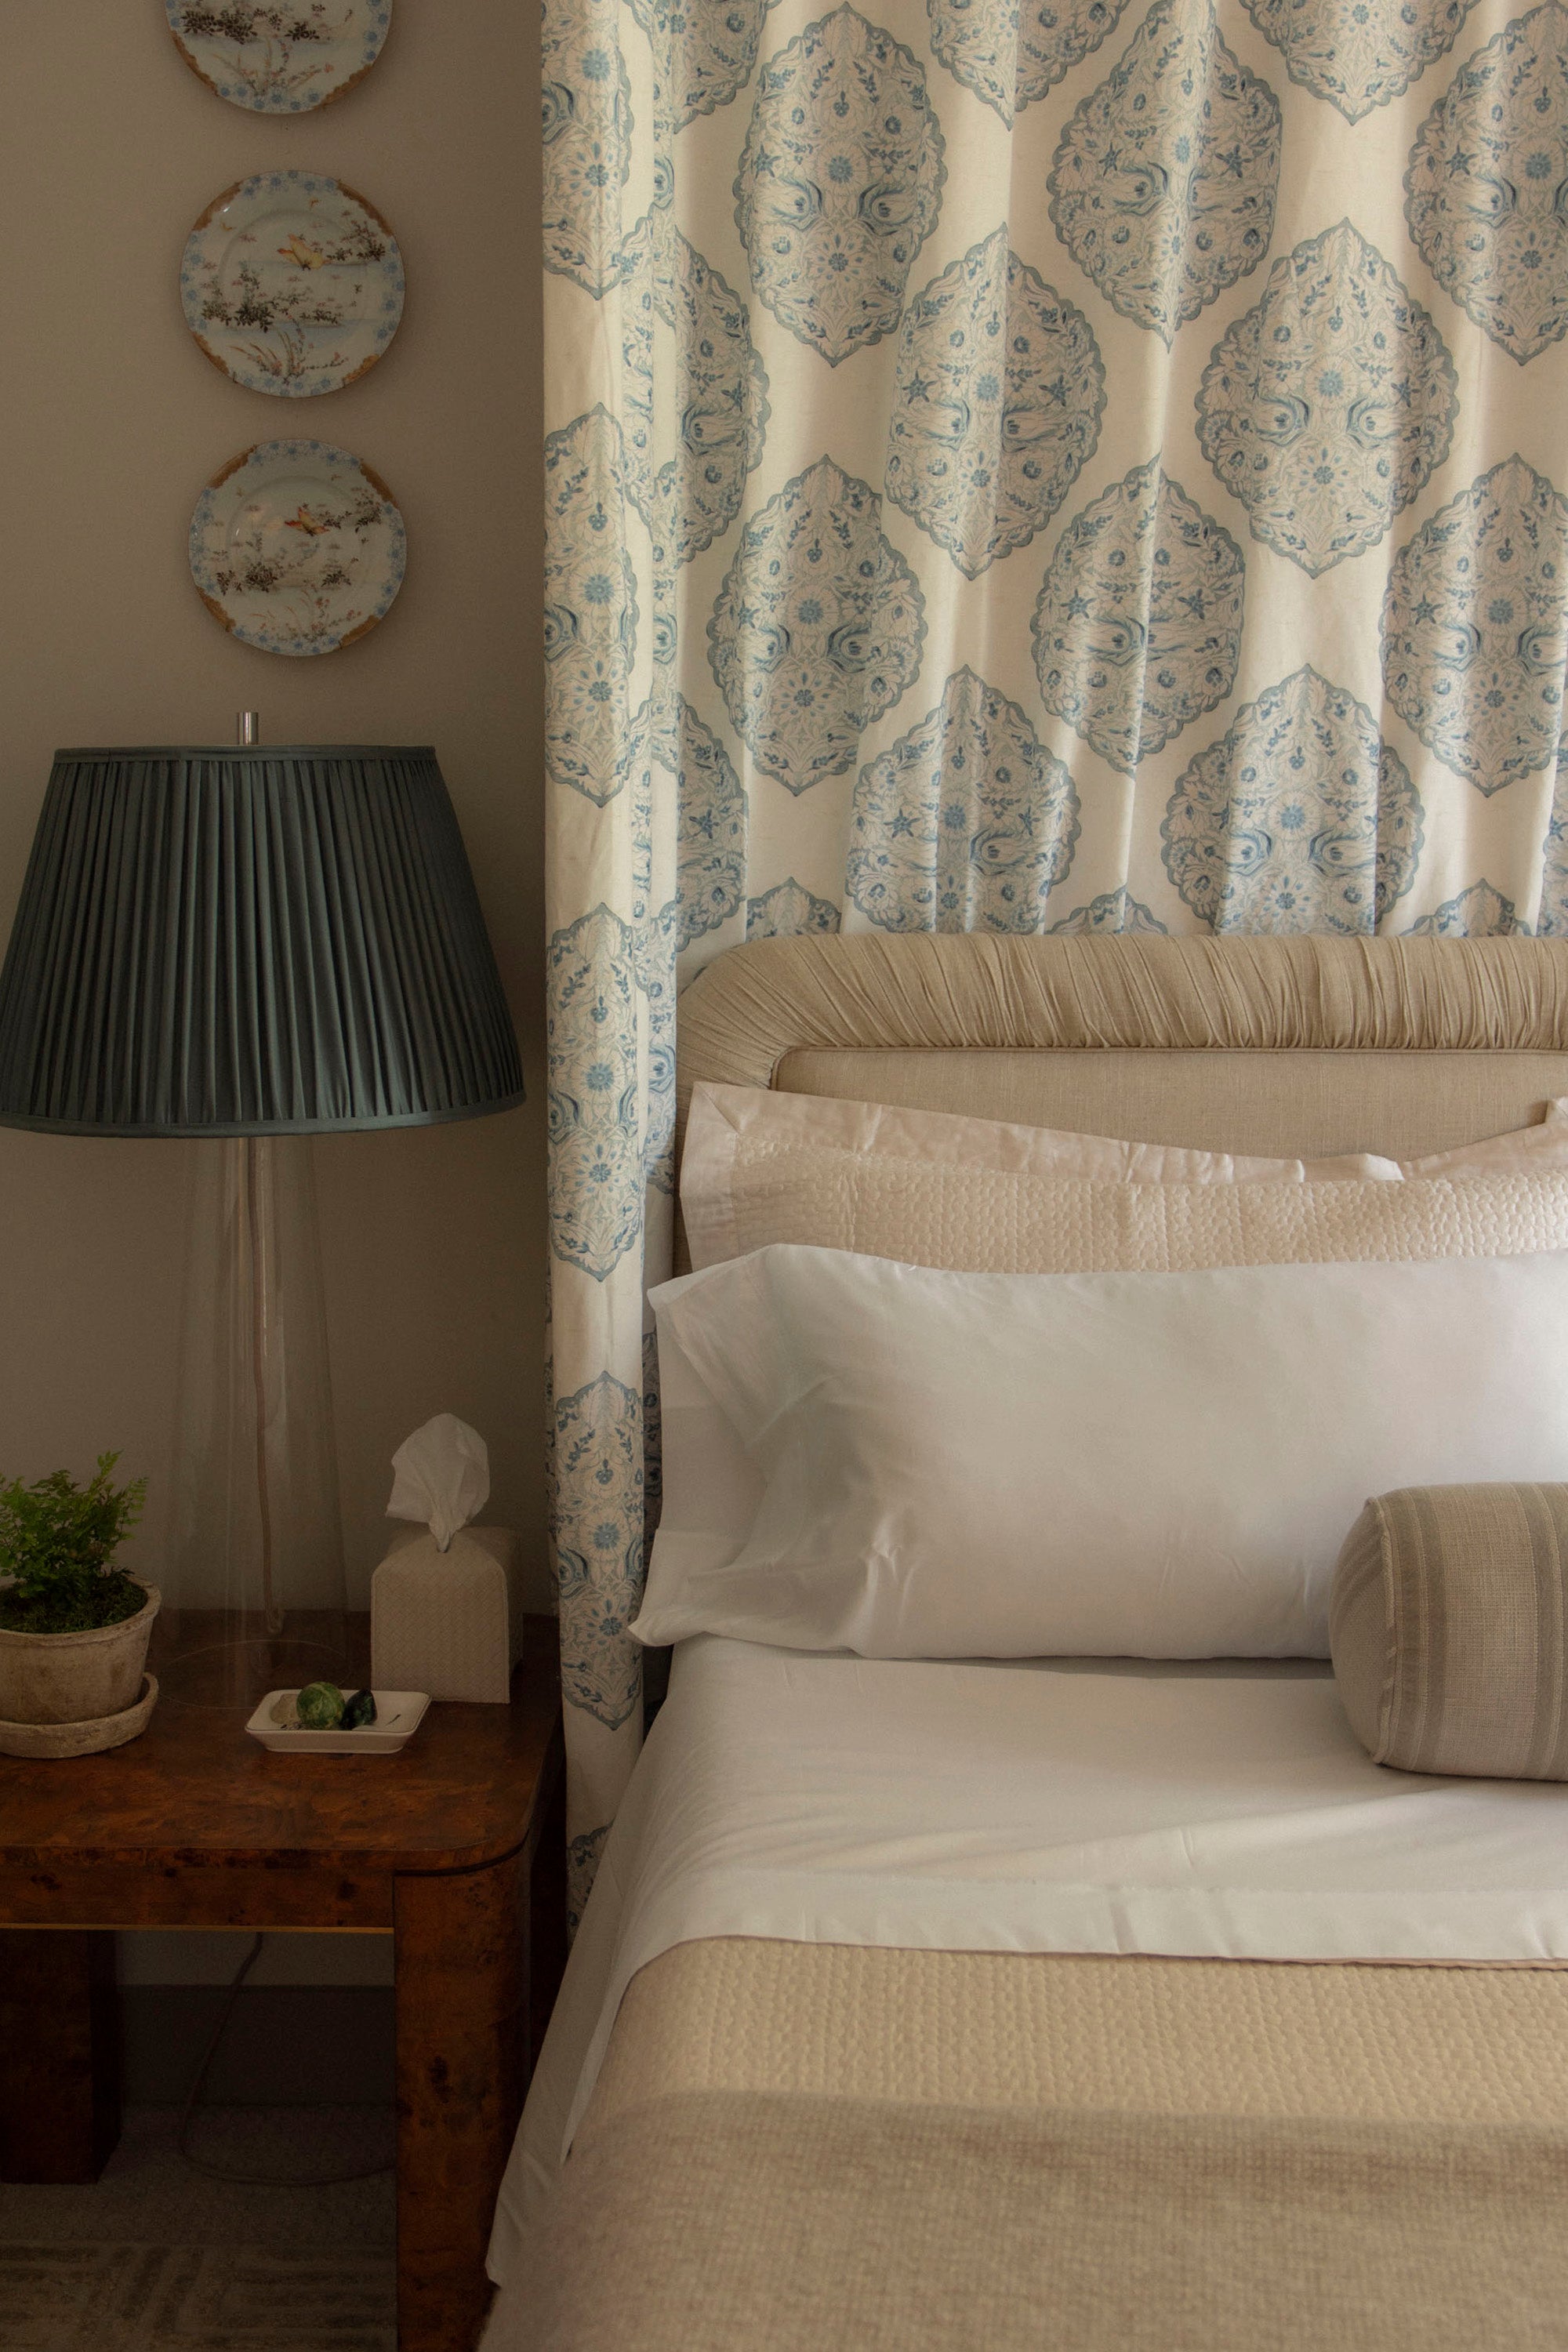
<point x="443" y="1476"/>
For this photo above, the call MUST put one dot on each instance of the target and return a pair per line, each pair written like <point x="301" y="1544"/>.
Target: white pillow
<point x="1087" y="1225"/>
<point x="1147" y="1465"/>
<point x="938" y="1188"/>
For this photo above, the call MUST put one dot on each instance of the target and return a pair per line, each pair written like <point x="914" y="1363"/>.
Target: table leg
<point x="59" y="2053"/>
<point x="461" y="1961"/>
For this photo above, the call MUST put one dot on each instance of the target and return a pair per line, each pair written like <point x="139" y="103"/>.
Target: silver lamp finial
<point x="248" y="727"/>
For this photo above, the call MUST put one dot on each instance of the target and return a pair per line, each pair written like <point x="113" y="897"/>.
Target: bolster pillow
<point x="1446" y="1627"/>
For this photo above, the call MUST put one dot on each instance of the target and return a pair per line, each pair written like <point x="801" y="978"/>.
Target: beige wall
<point x="112" y="421"/>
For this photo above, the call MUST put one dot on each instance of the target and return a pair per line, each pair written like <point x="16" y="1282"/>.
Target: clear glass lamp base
<point x="254" y="1592"/>
<point x="219" y="1658"/>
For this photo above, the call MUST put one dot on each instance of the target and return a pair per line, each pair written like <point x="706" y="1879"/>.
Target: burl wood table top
<point x="458" y="1796"/>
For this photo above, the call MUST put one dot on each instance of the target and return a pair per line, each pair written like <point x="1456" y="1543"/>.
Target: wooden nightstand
<point x="457" y="1845"/>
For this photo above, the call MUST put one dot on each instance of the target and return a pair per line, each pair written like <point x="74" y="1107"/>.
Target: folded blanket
<point x="724" y="2222"/>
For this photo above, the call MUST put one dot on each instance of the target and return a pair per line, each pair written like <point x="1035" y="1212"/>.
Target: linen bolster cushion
<point x="1447" y="1630"/>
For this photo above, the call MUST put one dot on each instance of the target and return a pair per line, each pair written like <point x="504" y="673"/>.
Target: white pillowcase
<point x="1087" y="1225"/>
<point x="1148" y="1465"/>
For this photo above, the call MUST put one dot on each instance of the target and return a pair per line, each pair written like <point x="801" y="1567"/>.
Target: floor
<point x="158" y="2258"/>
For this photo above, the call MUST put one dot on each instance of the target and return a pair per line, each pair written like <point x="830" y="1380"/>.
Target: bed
<point x="1079" y="2001"/>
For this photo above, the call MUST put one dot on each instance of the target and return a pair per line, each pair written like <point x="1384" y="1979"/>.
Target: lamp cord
<point x="222" y="2172"/>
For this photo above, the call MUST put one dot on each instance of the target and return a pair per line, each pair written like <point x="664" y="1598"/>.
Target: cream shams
<point x="938" y="1189"/>
<point x="1154" y="1465"/>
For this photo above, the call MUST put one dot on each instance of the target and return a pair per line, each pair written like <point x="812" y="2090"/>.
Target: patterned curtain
<point x="1024" y="464"/>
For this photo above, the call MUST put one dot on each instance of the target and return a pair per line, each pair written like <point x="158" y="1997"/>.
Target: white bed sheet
<point x="1221" y="1808"/>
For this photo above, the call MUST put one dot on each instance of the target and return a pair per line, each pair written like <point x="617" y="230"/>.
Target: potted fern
<point x="74" y="1627"/>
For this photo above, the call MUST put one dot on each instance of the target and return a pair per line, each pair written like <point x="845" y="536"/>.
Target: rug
<point x="158" y="2258"/>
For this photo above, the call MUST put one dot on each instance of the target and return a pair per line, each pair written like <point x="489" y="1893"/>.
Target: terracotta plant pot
<point x="75" y="1677"/>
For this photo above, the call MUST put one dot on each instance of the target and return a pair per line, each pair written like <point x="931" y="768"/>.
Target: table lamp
<point x="253" y="944"/>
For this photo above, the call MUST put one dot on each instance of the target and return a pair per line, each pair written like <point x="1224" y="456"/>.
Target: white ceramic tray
<point x="398" y="1716"/>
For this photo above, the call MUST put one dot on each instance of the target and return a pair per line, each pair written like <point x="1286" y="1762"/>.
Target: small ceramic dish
<point x="280" y="60"/>
<point x="291" y="284"/>
<point x="297" y="547"/>
<point x="398" y="1716"/>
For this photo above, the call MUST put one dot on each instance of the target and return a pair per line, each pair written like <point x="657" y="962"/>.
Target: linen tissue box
<point x="449" y="1622"/>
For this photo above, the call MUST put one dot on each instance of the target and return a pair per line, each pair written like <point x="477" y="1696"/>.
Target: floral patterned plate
<point x="280" y="57"/>
<point x="296" y="548"/>
<point x="291" y="283"/>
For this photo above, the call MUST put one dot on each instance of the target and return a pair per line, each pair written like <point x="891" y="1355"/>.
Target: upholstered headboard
<point x="1290" y="1047"/>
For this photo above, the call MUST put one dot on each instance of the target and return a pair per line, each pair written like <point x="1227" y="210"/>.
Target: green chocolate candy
<point x="321" y="1706"/>
<point x="360" y="1712"/>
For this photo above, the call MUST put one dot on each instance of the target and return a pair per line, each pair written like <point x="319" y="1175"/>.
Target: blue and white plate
<point x="291" y="284"/>
<point x="296" y="548"/>
<point x="280" y="57"/>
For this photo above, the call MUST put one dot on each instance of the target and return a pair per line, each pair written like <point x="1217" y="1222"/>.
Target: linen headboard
<point x="1283" y="1047"/>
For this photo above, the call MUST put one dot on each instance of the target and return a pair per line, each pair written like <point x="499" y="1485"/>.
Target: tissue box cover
<point x="449" y="1622"/>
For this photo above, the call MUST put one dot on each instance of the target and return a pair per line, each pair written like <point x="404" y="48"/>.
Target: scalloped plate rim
<point x="390" y="266"/>
<point x="380" y="17"/>
<point x="297" y="451"/>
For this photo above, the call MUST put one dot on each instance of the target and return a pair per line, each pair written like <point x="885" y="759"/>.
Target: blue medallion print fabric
<point x="1478" y="913"/>
<point x="1475" y="636"/>
<point x="966" y="824"/>
<point x="595" y="1118"/>
<point x="713" y="830"/>
<point x="1485" y="189"/>
<point x="714" y="50"/>
<point x="599" y="1545"/>
<point x="723" y="405"/>
<point x="590" y="607"/>
<point x="1163" y="185"/>
<point x="1327" y="408"/>
<point x="1301" y="818"/>
<point x="1359" y="54"/>
<point x="1551" y="922"/>
<point x="1138" y="627"/>
<point x="587" y="141"/>
<point x="790" y="911"/>
<point x="1011" y="52"/>
<point x="1113" y="910"/>
<point x="818" y="629"/>
<point x="1046" y="467"/>
<point x="655" y="979"/>
<point x="1000" y="396"/>
<point x="841" y="182"/>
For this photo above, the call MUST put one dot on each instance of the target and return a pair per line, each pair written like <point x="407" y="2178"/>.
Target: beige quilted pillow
<point x="982" y="1195"/>
<point x="1447" y="1623"/>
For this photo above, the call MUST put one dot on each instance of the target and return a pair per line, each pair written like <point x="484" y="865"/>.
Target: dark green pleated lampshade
<point x="250" y="943"/>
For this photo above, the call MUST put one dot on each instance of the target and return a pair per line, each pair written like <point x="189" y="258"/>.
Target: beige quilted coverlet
<point x="797" y="2147"/>
<point x="712" y="2222"/>
<point x="1134" y="2035"/>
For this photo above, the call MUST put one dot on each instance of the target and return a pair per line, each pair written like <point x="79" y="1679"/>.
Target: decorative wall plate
<point x="297" y="547"/>
<point x="280" y="57"/>
<point x="291" y="283"/>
